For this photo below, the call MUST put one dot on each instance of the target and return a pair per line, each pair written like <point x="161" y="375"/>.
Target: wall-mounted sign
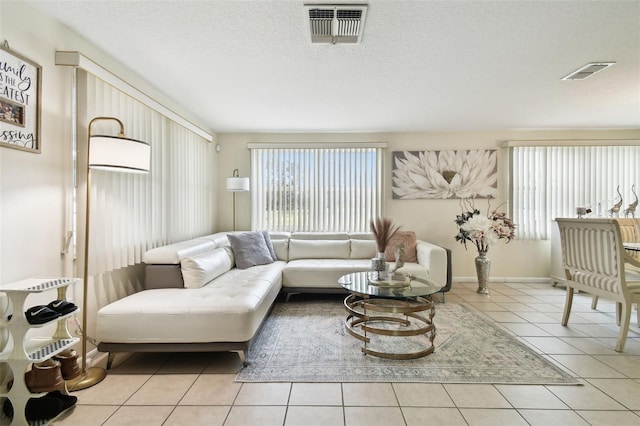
<point x="19" y="101"/>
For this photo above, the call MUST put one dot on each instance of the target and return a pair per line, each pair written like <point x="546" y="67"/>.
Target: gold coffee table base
<point x="364" y="312"/>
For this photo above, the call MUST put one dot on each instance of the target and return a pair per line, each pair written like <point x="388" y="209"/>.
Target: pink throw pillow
<point x="409" y="240"/>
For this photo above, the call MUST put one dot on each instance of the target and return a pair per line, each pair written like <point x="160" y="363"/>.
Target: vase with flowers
<point x="383" y="230"/>
<point x="483" y="230"/>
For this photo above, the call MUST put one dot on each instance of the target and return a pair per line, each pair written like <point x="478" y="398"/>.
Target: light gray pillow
<point x="249" y="249"/>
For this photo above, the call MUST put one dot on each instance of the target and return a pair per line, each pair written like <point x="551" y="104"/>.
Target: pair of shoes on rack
<point x="43" y="408"/>
<point x="49" y="375"/>
<point x="42" y="314"/>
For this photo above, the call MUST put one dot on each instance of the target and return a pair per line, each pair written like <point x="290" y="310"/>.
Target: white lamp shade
<point x="119" y="154"/>
<point x="237" y="184"/>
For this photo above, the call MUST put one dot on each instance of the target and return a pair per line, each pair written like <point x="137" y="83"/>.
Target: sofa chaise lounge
<point x="197" y="299"/>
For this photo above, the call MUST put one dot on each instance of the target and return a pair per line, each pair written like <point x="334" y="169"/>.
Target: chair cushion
<point x="600" y="281"/>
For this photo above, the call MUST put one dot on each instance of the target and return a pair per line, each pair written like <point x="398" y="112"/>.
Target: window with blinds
<point x="315" y="189"/>
<point x="132" y="213"/>
<point x="551" y="181"/>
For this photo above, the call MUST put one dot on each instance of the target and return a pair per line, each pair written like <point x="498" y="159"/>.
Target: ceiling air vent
<point x="588" y="70"/>
<point x="336" y="24"/>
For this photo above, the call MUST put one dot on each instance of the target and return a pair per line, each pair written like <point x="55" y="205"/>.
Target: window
<point x="139" y="211"/>
<point x="324" y="188"/>
<point x="551" y="181"/>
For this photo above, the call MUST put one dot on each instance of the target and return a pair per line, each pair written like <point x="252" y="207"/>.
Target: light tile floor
<point x="199" y="389"/>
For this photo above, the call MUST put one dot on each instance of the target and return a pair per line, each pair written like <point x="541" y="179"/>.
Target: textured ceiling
<point x="422" y="65"/>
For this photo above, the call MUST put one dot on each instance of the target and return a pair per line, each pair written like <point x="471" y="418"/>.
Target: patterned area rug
<point x="306" y="341"/>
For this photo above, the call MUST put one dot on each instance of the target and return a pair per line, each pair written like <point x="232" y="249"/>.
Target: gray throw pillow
<point x="249" y="249"/>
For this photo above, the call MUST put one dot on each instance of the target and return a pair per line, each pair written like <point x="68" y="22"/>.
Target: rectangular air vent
<point x="588" y="70"/>
<point x="336" y="24"/>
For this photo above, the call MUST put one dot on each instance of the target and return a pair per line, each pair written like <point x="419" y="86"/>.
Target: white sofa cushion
<point x="320" y="273"/>
<point x="228" y="309"/>
<point x="361" y="236"/>
<point x="172" y="254"/>
<point x="316" y="236"/>
<point x="319" y="249"/>
<point x="281" y="247"/>
<point x="204" y="267"/>
<point x="324" y="273"/>
<point x="363" y="249"/>
<point x="412" y="268"/>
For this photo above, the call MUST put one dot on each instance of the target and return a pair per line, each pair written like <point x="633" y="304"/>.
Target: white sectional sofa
<point x="196" y="299"/>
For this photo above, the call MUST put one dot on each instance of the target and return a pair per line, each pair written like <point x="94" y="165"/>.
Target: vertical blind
<point x="315" y="189"/>
<point x="131" y="213"/>
<point x="551" y="181"/>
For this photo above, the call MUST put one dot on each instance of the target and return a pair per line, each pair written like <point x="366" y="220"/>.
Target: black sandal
<point x="40" y="314"/>
<point x="62" y="307"/>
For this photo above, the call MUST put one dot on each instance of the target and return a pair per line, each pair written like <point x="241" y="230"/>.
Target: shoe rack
<point x="21" y="349"/>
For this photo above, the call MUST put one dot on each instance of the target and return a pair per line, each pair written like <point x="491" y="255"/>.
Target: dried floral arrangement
<point x="383" y="230"/>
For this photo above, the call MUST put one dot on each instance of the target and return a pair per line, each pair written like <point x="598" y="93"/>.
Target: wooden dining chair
<point x="594" y="262"/>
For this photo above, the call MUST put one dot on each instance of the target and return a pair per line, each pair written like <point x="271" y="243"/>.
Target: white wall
<point x="34" y="188"/>
<point x="432" y="220"/>
<point x="35" y="204"/>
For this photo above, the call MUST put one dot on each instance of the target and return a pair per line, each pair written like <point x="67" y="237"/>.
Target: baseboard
<point x="97" y="359"/>
<point x="474" y="279"/>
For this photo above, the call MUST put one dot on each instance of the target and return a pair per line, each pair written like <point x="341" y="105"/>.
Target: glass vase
<point x="483" y="267"/>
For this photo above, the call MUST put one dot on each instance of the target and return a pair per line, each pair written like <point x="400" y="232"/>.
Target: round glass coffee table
<point x="398" y="308"/>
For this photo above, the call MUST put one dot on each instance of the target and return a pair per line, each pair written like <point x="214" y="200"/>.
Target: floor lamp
<point x="116" y="154"/>
<point x="235" y="184"/>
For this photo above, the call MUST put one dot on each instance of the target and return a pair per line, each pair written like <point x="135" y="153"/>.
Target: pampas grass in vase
<point x="383" y="230"/>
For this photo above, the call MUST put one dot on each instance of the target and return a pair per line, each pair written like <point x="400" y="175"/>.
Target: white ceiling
<point x="422" y="65"/>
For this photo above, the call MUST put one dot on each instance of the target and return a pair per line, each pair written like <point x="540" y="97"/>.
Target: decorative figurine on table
<point x="631" y="209"/>
<point x="400" y="253"/>
<point x="616" y="207"/>
<point x="582" y="212"/>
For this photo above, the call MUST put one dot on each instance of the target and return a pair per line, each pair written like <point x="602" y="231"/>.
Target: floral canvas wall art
<point x="444" y="174"/>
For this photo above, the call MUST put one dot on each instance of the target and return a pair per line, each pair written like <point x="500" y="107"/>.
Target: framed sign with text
<point x="20" y="81"/>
